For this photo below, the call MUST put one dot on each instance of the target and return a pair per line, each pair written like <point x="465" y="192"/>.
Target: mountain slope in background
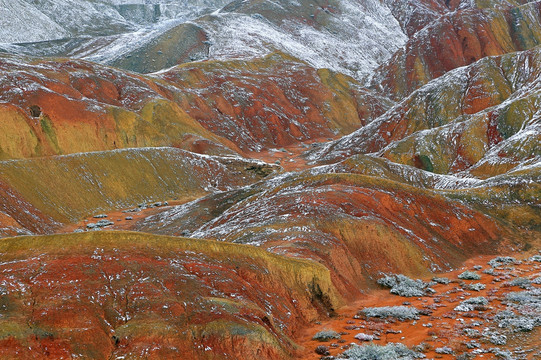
<point x="325" y="34"/>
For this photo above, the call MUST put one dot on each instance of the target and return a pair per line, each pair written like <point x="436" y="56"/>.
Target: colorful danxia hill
<point x="311" y="179"/>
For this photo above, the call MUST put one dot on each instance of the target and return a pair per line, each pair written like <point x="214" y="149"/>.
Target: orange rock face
<point x="74" y="106"/>
<point x="449" y="171"/>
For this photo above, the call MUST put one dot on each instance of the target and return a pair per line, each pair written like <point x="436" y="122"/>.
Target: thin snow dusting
<point x="358" y="38"/>
<point x="15" y="17"/>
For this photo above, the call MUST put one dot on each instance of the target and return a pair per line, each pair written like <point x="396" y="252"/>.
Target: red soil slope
<point x="111" y="295"/>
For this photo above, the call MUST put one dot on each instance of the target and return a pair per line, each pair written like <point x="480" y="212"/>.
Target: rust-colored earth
<point x="443" y="326"/>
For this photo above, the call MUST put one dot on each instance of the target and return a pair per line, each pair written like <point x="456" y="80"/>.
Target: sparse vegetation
<point x="326" y="335"/>
<point x="495" y="337"/>
<point x="472" y="333"/>
<point x="471" y="304"/>
<point x="475" y="286"/>
<point x="377" y="352"/>
<point x="519" y="323"/>
<point x="469" y="275"/>
<point x="525" y="297"/>
<point x="322" y="350"/>
<point x="444" y="350"/>
<point x="402" y="285"/>
<point x="502" y="261"/>
<point x="520" y="282"/>
<point x="401" y="313"/>
<point x="441" y="280"/>
<point x="489" y="271"/>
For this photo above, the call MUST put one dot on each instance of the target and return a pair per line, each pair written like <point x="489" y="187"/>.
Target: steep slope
<point x="28" y="21"/>
<point x="20" y="217"/>
<point x="180" y="44"/>
<point x="148" y="49"/>
<point x="482" y="114"/>
<point x="16" y="15"/>
<point x="107" y="295"/>
<point x="459" y="38"/>
<point x="68" y="106"/>
<point x="54" y="107"/>
<point x="154" y="11"/>
<point x="414" y="15"/>
<point x="325" y="34"/>
<point x="512" y="198"/>
<point x="69" y="188"/>
<point x="271" y="102"/>
<point x="41" y="20"/>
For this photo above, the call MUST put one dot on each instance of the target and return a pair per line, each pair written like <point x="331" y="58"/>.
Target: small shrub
<point x="422" y="347"/>
<point x="475" y="287"/>
<point x="322" y="350"/>
<point x="536" y="258"/>
<point x="495" y="337"/>
<point x="473" y="344"/>
<point x="441" y="280"/>
<point x="503" y="354"/>
<point x="469" y="275"/>
<point x="489" y="271"/>
<point x="407" y="291"/>
<point x="504" y="314"/>
<point x="401" y="313"/>
<point x="326" y="335"/>
<point x="377" y="352"/>
<point x="480" y="300"/>
<point x="520" y="282"/>
<point x="525" y="297"/>
<point x="446" y="350"/>
<point x="464" y="308"/>
<point x="472" y="333"/>
<point x="402" y="285"/>
<point x="472" y="304"/>
<point x="520" y="323"/>
<point x="502" y="261"/>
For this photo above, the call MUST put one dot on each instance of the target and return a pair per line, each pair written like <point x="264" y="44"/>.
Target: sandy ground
<point x="443" y="327"/>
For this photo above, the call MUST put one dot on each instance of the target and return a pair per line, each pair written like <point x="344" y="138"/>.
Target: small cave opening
<point x="35" y="111"/>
